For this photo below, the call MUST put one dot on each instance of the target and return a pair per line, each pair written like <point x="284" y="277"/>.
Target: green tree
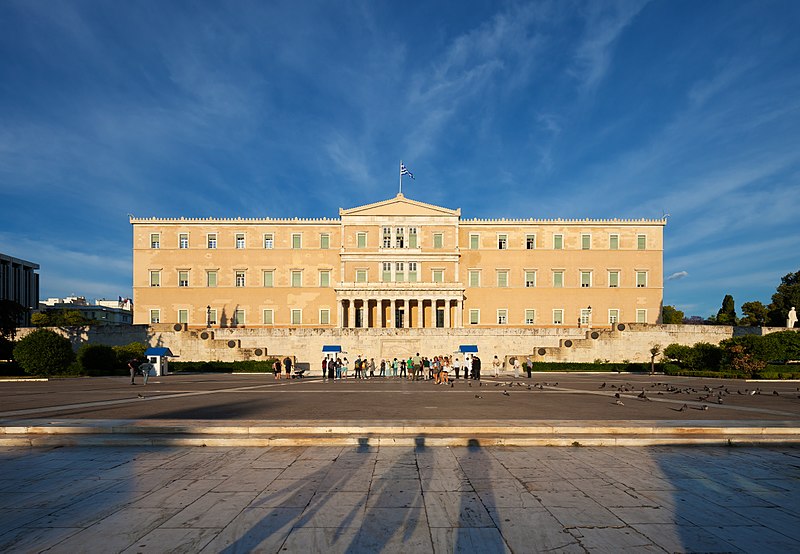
<point x="655" y="350"/>
<point x="40" y="319"/>
<point x="11" y="314"/>
<point x="44" y="352"/>
<point x="97" y="359"/>
<point x="669" y="315"/>
<point x="755" y="314"/>
<point x="787" y="295"/>
<point x="727" y="313"/>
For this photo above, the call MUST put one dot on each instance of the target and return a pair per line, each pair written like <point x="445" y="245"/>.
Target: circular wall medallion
<point x="621" y="327"/>
<point x="177" y="327"/>
<point x="204" y="335"/>
<point x="231" y="343"/>
<point x="595" y="335"/>
<point x="542" y="351"/>
<point x="567" y="343"/>
<point x="258" y="352"/>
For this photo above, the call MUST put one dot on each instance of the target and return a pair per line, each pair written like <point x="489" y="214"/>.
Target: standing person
<point x="517" y="367"/>
<point x="496" y="366"/>
<point x="325" y="368"/>
<point x="145" y="368"/>
<point x="276" y="369"/>
<point x="529" y="366"/>
<point x="345" y="367"/>
<point x="357" y="366"/>
<point x="371" y="367"/>
<point x="402" y="364"/>
<point x="132" y="365"/>
<point x="383" y="368"/>
<point x="476" y="367"/>
<point x="331" y="369"/>
<point x="416" y="364"/>
<point x="287" y="367"/>
<point x="456" y="366"/>
<point x="338" y="365"/>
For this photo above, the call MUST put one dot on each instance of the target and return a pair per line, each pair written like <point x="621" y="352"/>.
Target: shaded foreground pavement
<point x="394" y="499"/>
<point x="374" y="497"/>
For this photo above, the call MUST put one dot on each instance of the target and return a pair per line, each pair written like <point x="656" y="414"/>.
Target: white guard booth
<point x="159" y="357"/>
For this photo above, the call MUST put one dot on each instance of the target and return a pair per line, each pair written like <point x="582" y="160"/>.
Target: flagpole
<point x="401" y="177"/>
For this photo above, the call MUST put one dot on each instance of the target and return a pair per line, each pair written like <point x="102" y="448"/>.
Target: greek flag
<point x="404" y="171"/>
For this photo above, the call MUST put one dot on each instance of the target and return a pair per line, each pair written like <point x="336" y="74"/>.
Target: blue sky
<point x="504" y="109"/>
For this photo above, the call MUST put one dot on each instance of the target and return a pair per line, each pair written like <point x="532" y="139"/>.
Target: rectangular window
<point x="238" y="317"/>
<point x="399" y="238"/>
<point x="386" y="276"/>
<point x="502" y="317"/>
<point x="324" y="242"/>
<point x="586" y="242"/>
<point x="530" y="242"/>
<point x="183" y="278"/>
<point x="641" y="316"/>
<point x="361" y="240"/>
<point x="212" y="317"/>
<point x="324" y="278"/>
<point x="474" y="242"/>
<point x="641" y="279"/>
<point x="613" y="316"/>
<point x="641" y="242"/>
<point x="269" y="278"/>
<point x="399" y="276"/>
<point x="267" y="318"/>
<point x="387" y="237"/>
<point x="155" y="240"/>
<point x="530" y="279"/>
<point x="558" y="317"/>
<point x="211" y="278"/>
<point x="613" y="242"/>
<point x="438" y="240"/>
<point x="558" y="279"/>
<point x="155" y="316"/>
<point x="269" y="241"/>
<point x="212" y="240"/>
<point x="239" y="275"/>
<point x="412" y="272"/>
<point x="586" y="279"/>
<point x="474" y="317"/>
<point x="324" y="316"/>
<point x="586" y="316"/>
<point x="297" y="241"/>
<point x="155" y="278"/>
<point x="297" y="278"/>
<point x="438" y="275"/>
<point x="412" y="237"/>
<point x="239" y="241"/>
<point x="183" y="316"/>
<point x="530" y="317"/>
<point x="474" y="278"/>
<point x="558" y="242"/>
<point x="297" y="317"/>
<point x="613" y="279"/>
<point x="502" y="242"/>
<point x="361" y="275"/>
<point x="183" y="241"/>
<point x="502" y="278"/>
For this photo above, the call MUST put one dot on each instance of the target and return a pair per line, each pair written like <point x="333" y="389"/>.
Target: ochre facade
<point x="399" y="263"/>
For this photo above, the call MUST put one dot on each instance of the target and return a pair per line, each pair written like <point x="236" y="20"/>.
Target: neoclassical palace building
<point x="397" y="263"/>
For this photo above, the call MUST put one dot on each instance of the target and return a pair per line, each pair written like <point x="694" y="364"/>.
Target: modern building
<point x="19" y="282"/>
<point x="110" y="312"/>
<point x="397" y="263"/>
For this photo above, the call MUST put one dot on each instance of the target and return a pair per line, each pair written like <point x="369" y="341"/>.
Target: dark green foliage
<point x="671" y="315"/>
<point x="11" y="369"/>
<point x="592" y="366"/>
<point x="775" y="347"/>
<point x="755" y="314"/>
<point x="250" y="366"/>
<point x="134" y="350"/>
<point x="44" y="352"/>
<point x="97" y="359"/>
<point x="6" y="349"/>
<point x="60" y="318"/>
<point x="727" y="313"/>
<point x="11" y="314"/>
<point x="678" y="353"/>
<point x="701" y="356"/>
<point x="787" y="295"/>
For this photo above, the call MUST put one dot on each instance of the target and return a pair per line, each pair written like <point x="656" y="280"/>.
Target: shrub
<point x="679" y="354"/>
<point x="705" y="356"/>
<point x="249" y="366"/>
<point x="134" y="350"/>
<point x="6" y="349"/>
<point x="97" y="359"/>
<point x="44" y="352"/>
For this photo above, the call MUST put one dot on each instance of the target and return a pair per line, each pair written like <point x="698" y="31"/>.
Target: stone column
<point x="460" y="313"/>
<point x="340" y="321"/>
<point x="392" y="312"/>
<point x="351" y="305"/>
<point x="420" y="312"/>
<point x="447" y="313"/>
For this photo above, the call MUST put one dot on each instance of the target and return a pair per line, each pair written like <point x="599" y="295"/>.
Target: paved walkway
<point x="344" y="499"/>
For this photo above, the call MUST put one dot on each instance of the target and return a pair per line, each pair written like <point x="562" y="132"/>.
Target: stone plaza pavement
<point x="98" y="465"/>
<point x="399" y="499"/>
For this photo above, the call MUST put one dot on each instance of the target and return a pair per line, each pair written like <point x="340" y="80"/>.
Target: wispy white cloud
<point x="678" y="275"/>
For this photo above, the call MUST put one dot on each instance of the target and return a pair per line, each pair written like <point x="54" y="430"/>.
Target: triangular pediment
<point x="400" y="206"/>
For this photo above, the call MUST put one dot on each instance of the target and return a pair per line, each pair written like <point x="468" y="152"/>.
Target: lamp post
<point x="208" y="316"/>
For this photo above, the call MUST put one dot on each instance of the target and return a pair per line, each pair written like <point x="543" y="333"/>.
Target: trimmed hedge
<point x="592" y="366"/>
<point x="250" y="366"/>
<point x="44" y="352"/>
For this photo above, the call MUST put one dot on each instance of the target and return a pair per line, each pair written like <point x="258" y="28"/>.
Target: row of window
<point x="398" y="272"/>
<point x="296" y="317"/>
<point x="396" y="237"/>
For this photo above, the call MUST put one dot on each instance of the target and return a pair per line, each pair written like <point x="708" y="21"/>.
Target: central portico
<point x="418" y="283"/>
